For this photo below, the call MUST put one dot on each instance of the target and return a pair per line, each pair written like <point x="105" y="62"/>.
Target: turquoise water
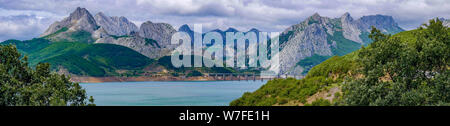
<point x="193" y="93"/>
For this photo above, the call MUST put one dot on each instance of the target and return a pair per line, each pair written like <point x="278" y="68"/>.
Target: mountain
<point x="151" y="40"/>
<point x="80" y="19"/>
<point x="117" y="26"/>
<point x="370" y="76"/>
<point x="160" y="32"/>
<point x="77" y="27"/>
<point x="81" y="59"/>
<point x="190" y="32"/>
<point x="317" y="38"/>
<point x="303" y="45"/>
<point x="187" y="29"/>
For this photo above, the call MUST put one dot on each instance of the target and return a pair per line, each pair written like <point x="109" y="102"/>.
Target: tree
<point x="408" y="70"/>
<point x="20" y="85"/>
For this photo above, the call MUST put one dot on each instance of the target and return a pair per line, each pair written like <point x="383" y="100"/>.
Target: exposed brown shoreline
<point x="214" y="77"/>
<point x="83" y="79"/>
<point x="136" y="79"/>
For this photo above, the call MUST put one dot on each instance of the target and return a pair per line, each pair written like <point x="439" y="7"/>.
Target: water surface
<point x="186" y="93"/>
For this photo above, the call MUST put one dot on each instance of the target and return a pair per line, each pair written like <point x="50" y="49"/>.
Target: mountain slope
<point x="117" y="26"/>
<point x="151" y="40"/>
<point x="83" y="59"/>
<point x="326" y="37"/>
<point x="324" y="82"/>
<point x="77" y="27"/>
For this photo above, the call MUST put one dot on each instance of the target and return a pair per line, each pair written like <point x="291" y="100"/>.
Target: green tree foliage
<point x="320" y="102"/>
<point x="21" y="85"/>
<point x="281" y="91"/>
<point x="404" y="72"/>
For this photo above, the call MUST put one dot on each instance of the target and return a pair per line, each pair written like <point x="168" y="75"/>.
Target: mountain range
<point x="389" y="72"/>
<point x="317" y="38"/>
<point x="303" y="45"/>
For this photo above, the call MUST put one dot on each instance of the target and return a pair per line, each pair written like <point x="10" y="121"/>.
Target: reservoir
<point x="172" y="93"/>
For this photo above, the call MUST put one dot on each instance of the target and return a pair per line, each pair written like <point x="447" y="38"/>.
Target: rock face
<point x="323" y="36"/>
<point x="147" y="47"/>
<point x="188" y="30"/>
<point x="446" y="22"/>
<point x="161" y="32"/>
<point x="384" y="23"/>
<point x="152" y="40"/>
<point x="78" y="20"/>
<point x="115" y="25"/>
<point x="308" y="38"/>
<point x="350" y="28"/>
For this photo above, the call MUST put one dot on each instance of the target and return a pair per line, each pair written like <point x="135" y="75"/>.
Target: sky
<point x="26" y="19"/>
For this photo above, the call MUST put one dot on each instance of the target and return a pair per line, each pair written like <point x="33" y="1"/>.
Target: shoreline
<point x="84" y="79"/>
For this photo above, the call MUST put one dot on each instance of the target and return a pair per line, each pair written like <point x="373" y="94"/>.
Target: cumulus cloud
<point x="266" y="15"/>
<point x="22" y="26"/>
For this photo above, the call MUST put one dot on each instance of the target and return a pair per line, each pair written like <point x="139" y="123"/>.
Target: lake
<point x="176" y="93"/>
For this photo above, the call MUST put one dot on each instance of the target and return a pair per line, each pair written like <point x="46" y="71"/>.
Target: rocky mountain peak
<point x="79" y="13"/>
<point x="115" y="25"/>
<point x="324" y="36"/>
<point x="346" y="17"/>
<point x="185" y="28"/>
<point x="100" y="15"/>
<point x="161" y="32"/>
<point x="78" y="20"/>
<point x="350" y="29"/>
<point x="316" y="16"/>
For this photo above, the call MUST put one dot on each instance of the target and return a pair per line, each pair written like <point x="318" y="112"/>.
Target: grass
<point x="29" y="46"/>
<point x="75" y="64"/>
<point x="75" y="36"/>
<point x="64" y="29"/>
<point x="309" y="62"/>
<point x="283" y="90"/>
<point x="331" y="72"/>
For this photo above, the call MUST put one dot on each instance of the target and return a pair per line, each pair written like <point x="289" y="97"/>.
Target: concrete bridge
<point x="248" y="76"/>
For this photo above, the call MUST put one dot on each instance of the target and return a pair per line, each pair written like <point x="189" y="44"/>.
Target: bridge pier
<point x="254" y="77"/>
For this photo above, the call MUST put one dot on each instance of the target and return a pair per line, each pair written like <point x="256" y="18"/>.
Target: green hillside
<point x="98" y="60"/>
<point x="81" y="58"/>
<point x="410" y="68"/>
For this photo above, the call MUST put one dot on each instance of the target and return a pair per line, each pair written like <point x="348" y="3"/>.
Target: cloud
<point x="22" y="27"/>
<point x="266" y="15"/>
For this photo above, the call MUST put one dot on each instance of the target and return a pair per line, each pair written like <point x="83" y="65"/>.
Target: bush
<point x="20" y="85"/>
<point x="319" y="102"/>
<point x="404" y="73"/>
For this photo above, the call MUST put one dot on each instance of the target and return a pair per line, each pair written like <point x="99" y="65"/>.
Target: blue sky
<point x="25" y="19"/>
